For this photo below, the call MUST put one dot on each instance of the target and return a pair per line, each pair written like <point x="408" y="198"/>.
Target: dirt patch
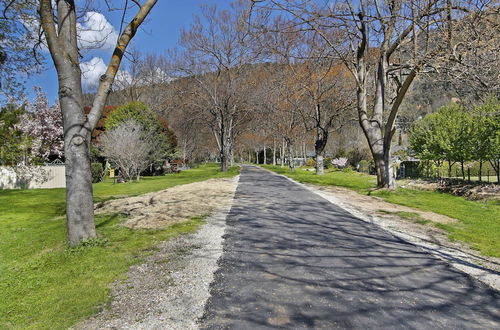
<point x="374" y="205"/>
<point x="163" y="208"/>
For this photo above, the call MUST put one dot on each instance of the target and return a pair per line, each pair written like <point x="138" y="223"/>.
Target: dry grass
<point x="160" y="209"/>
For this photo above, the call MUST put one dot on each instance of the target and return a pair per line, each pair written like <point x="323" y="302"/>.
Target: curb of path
<point x="460" y="260"/>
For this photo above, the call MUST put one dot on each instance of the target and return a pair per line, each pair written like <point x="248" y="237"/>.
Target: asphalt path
<point x="293" y="260"/>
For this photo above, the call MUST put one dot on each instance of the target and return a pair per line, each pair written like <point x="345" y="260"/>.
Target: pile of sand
<point x="163" y="208"/>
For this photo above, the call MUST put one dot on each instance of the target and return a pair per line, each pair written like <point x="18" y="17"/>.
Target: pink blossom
<point x="340" y="162"/>
<point x="43" y="124"/>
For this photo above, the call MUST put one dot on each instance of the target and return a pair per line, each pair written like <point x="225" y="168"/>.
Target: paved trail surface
<point x="293" y="260"/>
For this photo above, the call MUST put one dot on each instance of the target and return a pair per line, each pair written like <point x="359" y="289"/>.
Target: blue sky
<point x="159" y="33"/>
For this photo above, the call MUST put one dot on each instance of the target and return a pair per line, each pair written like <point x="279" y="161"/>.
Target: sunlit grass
<point x="410" y="216"/>
<point x="360" y="182"/>
<point x="46" y="285"/>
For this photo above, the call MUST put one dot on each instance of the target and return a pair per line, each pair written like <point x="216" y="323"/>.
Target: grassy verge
<point x="410" y="216"/>
<point x="359" y="182"/>
<point x="109" y="190"/>
<point x="46" y="285"/>
<point x="478" y="225"/>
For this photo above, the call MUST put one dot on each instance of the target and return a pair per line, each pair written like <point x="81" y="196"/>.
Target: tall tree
<point x="18" y="55"/>
<point x="486" y="134"/>
<point x="215" y="54"/>
<point x="59" y="24"/>
<point x="327" y="93"/>
<point x="385" y="45"/>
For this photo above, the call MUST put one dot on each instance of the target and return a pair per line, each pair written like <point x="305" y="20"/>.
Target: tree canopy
<point x="456" y="134"/>
<point x="155" y="127"/>
<point x="14" y="143"/>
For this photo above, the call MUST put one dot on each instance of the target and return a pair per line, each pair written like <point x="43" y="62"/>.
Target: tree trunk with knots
<point x="63" y="47"/>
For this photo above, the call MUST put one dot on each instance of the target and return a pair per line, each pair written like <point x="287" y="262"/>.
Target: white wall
<point x="55" y="177"/>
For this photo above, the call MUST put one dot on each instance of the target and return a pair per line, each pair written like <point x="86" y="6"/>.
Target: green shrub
<point x="97" y="172"/>
<point x="427" y="168"/>
<point x="364" y="166"/>
<point x="327" y="162"/>
<point x="311" y="162"/>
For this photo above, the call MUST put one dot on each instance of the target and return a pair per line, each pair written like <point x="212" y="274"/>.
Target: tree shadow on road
<point x="294" y="260"/>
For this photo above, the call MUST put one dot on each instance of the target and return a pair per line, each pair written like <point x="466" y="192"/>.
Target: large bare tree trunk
<point x="378" y="134"/>
<point x="319" y="149"/>
<point x="79" y="201"/>
<point x="381" y="153"/>
<point x="62" y="44"/>
<point x="384" y="168"/>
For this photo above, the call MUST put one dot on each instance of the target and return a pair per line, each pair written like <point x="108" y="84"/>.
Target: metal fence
<point x="33" y="177"/>
<point x="428" y="170"/>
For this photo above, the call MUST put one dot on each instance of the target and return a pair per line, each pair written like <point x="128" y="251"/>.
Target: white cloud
<point x="92" y="71"/>
<point x="95" y="32"/>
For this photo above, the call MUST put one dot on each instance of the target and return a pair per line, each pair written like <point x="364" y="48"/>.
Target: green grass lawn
<point x="359" y="182"/>
<point x="46" y="285"/>
<point x="479" y="222"/>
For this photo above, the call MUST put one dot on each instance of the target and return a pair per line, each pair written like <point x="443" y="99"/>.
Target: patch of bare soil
<point x="379" y="207"/>
<point x="163" y="208"/>
<point x="415" y="226"/>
